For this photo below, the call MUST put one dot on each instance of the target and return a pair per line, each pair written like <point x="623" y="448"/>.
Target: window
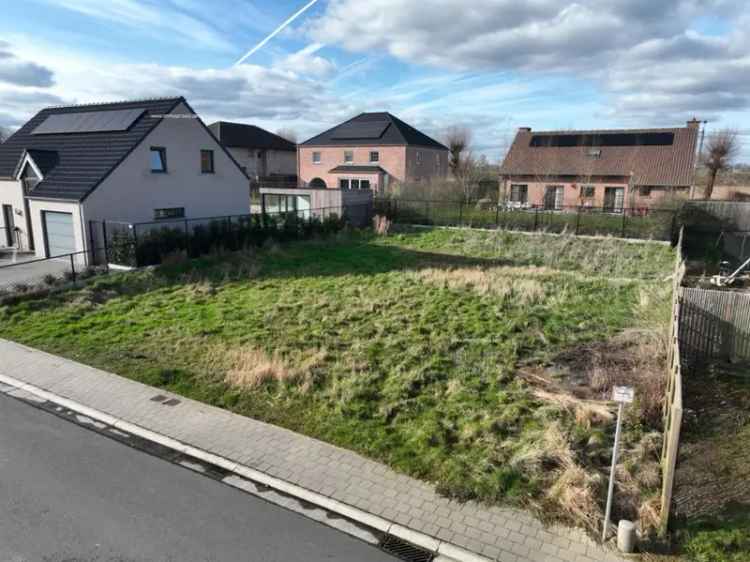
<point x="354" y="184"/>
<point x="644" y="191"/>
<point x="316" y="157"/>
<point x="364" y="184"/>
<point x="374" y="156"/>
<point x="348" y="156"/>
<point x="419" y="157"/>
<point x="171" y="213"/>
<point x="553" y="197"/>
<point x="587" y="190"/>
<point x="519" y="193"/>
<point x="594" y="153"/>
<point x="158" y="160"/>
<point x="343" y="184"/>
<point x="207" y="161"/>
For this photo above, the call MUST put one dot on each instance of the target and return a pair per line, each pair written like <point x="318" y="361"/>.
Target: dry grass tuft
<point x="381" y="224"/>
<point x="250" y="368"/>
<point x="576" y="491"/>
<point x="588" y="413"/>
<point x="490" y="281"/>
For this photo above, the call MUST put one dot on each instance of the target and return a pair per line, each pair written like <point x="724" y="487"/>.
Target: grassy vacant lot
<point x="470" y="359"/>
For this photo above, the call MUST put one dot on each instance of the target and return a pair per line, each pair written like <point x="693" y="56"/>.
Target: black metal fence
<point x="644" y="223"/>
<point x="23" y="275"/>
<point x="149" y="243"/>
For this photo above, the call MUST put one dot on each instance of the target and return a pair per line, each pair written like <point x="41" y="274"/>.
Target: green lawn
<point x="403" y="348"/>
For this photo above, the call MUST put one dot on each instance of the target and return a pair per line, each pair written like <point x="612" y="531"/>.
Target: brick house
<point x="609" y="169"/>
<point x="370" y="151"/>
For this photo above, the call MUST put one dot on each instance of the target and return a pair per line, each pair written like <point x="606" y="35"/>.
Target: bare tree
<point x="721" y="149"/>
<point x="288" y="134"/>
<point x="457" y="139"/>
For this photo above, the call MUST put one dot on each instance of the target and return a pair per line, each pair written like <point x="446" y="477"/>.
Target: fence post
<point x="536" y="218"/>
<point x="106" y="245"/>
<point x="497" y="215"/>
<point x="624" y="215"/>
<point x="73" y="268"/>
<point x="578" y="219"/>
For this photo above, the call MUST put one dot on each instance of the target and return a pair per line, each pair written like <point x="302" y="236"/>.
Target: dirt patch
<point x="713" y="469"/>
<point x="589" y="371"/>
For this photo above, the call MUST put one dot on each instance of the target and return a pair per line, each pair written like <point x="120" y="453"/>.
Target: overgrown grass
<point x="405" y="348"/>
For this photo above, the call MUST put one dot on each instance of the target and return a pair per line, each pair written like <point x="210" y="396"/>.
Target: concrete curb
<point x="445" y="551"/>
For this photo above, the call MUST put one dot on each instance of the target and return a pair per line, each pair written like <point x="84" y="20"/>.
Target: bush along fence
<point x="148" y="243"/>
<point x="644" y="223"/>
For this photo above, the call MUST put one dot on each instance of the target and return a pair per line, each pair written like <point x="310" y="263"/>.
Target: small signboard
<point x="624" y="394"/>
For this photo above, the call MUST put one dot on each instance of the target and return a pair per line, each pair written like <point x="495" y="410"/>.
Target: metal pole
<point x="106" y="244"/>
<point x="612" y="472"/>
<point x="73" y="269"/>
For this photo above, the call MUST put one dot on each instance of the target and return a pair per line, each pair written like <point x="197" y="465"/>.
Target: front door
<point x="8" y="224"/>
<point x="614" y="199"/>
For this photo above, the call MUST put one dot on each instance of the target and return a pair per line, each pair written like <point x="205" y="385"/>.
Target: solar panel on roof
<point x="88" y="122"/>
<point x="361" y="130"/>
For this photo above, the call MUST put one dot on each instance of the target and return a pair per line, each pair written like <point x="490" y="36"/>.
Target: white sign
<point x="624" y="394"/>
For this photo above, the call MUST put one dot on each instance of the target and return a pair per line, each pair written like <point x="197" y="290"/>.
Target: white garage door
<point x="59" y="230"/>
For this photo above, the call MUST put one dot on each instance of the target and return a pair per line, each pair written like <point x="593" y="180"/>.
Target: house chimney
<point x="693" y="123"/>
<point x="524" y="129"/>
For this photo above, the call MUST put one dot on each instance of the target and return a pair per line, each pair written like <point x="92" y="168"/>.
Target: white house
<point x="136" y="161"/>
<point x="262" y="154"/>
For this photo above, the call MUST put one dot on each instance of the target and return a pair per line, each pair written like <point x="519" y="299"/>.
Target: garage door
<point x="58" y="228"/>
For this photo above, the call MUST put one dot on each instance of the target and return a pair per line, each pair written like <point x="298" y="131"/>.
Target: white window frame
<point x="319" y="157"/>
<point x="350" y="160"/>
<point x="377" y="155"/>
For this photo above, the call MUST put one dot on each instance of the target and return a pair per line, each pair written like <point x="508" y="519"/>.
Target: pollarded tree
<point x="721" y="149"/>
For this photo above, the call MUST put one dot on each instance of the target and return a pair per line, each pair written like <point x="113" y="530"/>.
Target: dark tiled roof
<point x="365" y="130"/>
<point x="45" y="160"/>
<point x="83" y="160"/>
<point x="344" y="168"/>
<point x="652" y="162"/>
<point x="239" y="135"/>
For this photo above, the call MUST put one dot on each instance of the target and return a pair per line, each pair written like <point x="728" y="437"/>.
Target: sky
<point x="488" y="65"/>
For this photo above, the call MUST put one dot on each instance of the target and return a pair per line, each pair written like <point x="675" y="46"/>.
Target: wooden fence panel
<point x="714" y="325"/>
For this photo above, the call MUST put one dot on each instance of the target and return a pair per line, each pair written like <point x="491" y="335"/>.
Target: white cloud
<point x="640" y="53"/>
<point x="19" y="72"/>
<point x="269" y="97"/>
<point x="306" y="63"/>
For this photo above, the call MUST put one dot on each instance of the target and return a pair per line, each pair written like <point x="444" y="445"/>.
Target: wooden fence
<point x="729" y="215"/>
<point x="673" y="402"/>
<point x="714" y="325"/>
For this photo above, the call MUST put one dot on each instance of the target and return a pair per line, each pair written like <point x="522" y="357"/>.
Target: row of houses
<point x="155" y="160"/>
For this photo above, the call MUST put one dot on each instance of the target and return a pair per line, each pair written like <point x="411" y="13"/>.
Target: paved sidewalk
<point x="502" y="534"/>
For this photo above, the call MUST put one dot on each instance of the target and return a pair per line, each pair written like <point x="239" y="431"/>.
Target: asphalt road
<point x="68" y="494"/>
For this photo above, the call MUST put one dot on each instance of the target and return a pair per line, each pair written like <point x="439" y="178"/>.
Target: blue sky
<point x="488" y="65"/>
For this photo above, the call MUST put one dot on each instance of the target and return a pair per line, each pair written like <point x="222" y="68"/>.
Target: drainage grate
<point x="404" y="550"/>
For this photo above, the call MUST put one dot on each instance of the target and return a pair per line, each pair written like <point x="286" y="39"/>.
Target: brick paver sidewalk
<point x="503" y="534"/>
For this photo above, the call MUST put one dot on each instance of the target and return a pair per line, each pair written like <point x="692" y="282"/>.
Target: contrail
<point x="276" y="31"/>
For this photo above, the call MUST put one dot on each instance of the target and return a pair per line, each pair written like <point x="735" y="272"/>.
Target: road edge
<point x="443" y="550"/>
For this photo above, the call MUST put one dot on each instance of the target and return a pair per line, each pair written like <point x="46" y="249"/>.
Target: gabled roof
<point x="655" y="157"/>
<point x="240" y="135"/>
<point x="374" y="129"/>
<point x="74" y="163"/>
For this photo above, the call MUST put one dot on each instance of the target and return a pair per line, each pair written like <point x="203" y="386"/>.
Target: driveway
<point x="27" y="269"/>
